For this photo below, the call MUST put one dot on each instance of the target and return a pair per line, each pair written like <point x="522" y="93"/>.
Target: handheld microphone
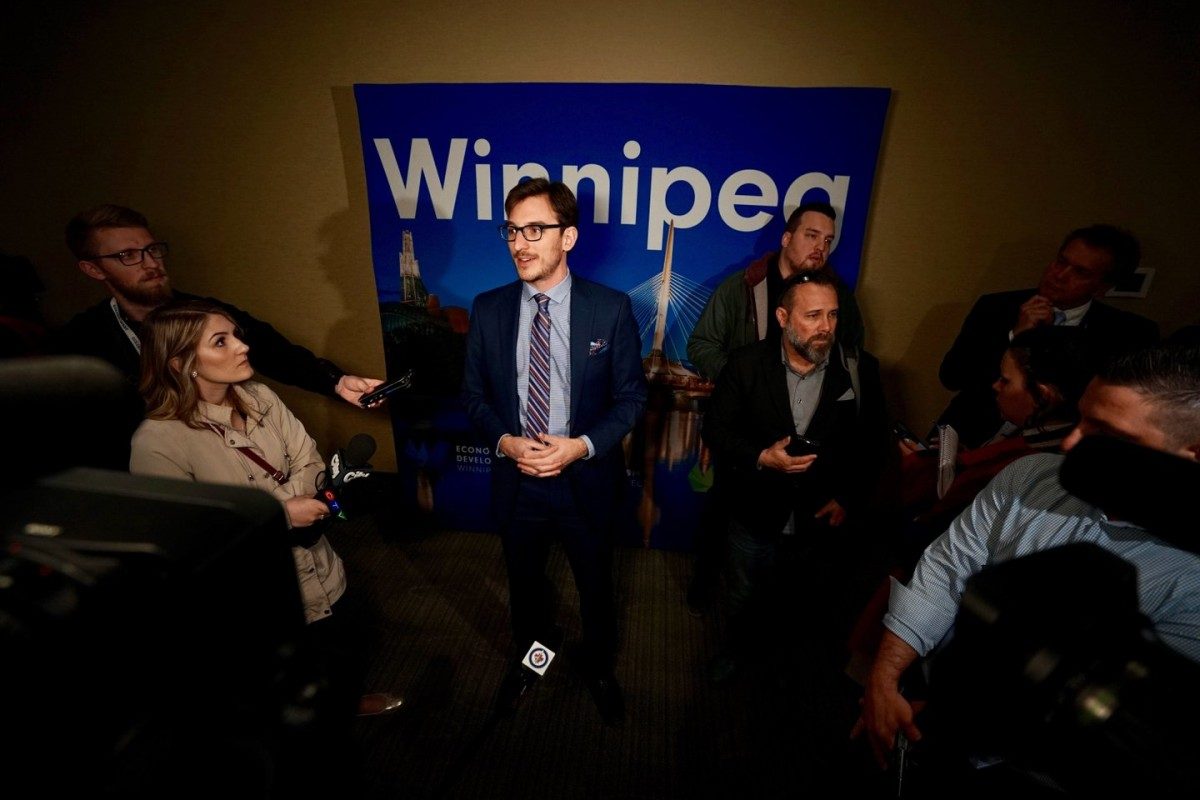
<point x="346" y="465"/>
<point x="355" y="458"/>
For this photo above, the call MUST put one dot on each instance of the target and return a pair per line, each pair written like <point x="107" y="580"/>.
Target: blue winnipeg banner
<point x="677" y="184"/>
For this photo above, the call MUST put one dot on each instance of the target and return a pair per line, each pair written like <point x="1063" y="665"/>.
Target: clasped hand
<point x="545" y="457"/>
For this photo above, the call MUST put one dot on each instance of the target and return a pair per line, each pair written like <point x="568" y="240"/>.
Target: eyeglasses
<point x="135" y="255"/>
<point x="531" y="232"/>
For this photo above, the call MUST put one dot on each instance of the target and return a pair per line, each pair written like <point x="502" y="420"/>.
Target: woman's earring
<point x="194" y="373"/>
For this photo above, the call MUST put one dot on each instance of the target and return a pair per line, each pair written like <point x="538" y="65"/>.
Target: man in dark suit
<point x="792" y="499"/>
<point x="1090" y="262"/>
<point x="554" y="378"/>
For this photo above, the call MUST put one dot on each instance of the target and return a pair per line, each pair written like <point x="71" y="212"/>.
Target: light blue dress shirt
<point x="560" y="358"/>
<point x="1026" y="510"/>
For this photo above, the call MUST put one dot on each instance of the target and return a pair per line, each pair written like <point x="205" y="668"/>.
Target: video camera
<point x="1053" y="669"/>
<point x="152" y="630"/>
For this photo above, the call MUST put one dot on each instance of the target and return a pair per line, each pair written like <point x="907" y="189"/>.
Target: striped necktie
<point x="537" y="407"/>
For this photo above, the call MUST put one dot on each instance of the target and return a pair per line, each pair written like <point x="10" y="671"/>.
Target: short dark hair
<point x="1120" y="244"/>
<point x="1055" y="356"/>
<point x="818" y="277"/>
<point x="81" y="226"/>
<point x="820" y="206"/>
<point x="561" y="198"/>
<point x="1167" y="375"/>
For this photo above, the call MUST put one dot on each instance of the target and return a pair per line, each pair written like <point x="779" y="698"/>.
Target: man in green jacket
<point x="740" y="311"/>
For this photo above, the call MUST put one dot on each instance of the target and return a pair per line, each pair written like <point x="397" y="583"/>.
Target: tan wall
<point x="233" y="128"/>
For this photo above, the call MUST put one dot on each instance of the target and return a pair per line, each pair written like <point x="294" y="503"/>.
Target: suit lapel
<point x="833" y="386"/>
<point x="510" y="313"/>
<point x="583" y="310"/>
<point x="777" y="387"/>
<point x="1096" y="316"/>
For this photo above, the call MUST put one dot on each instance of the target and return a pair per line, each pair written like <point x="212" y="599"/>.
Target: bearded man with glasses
<point x="114" y="245"/>
<point x="554" y="382"/>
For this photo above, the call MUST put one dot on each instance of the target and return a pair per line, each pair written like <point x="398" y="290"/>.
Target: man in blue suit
<point x="554" y="378"/>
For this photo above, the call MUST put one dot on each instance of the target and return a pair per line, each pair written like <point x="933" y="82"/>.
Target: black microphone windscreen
<point x="1148" y="487"/>
<point x="360" y="449"/>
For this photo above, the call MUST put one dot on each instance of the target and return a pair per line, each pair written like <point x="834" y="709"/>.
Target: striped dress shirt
<point x="1026" y="510"/>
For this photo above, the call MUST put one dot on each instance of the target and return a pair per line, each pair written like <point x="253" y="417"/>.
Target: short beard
<point x="153" y="296"/>
<point x="545" y="270"/>
<point x="815" y="349"/>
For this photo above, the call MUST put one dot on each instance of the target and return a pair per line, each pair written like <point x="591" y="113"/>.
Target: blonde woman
<point x="206" y="420"/>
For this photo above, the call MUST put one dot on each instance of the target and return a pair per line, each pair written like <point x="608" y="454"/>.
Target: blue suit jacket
<point x="608" y="389"/>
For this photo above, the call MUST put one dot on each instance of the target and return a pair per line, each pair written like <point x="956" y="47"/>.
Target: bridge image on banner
<point x="666" y="308"/>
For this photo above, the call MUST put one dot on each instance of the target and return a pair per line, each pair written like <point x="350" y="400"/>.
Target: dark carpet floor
<point x="440" y="635"/>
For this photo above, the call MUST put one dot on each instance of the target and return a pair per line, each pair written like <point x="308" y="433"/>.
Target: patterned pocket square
<point x="597" y="347"/>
